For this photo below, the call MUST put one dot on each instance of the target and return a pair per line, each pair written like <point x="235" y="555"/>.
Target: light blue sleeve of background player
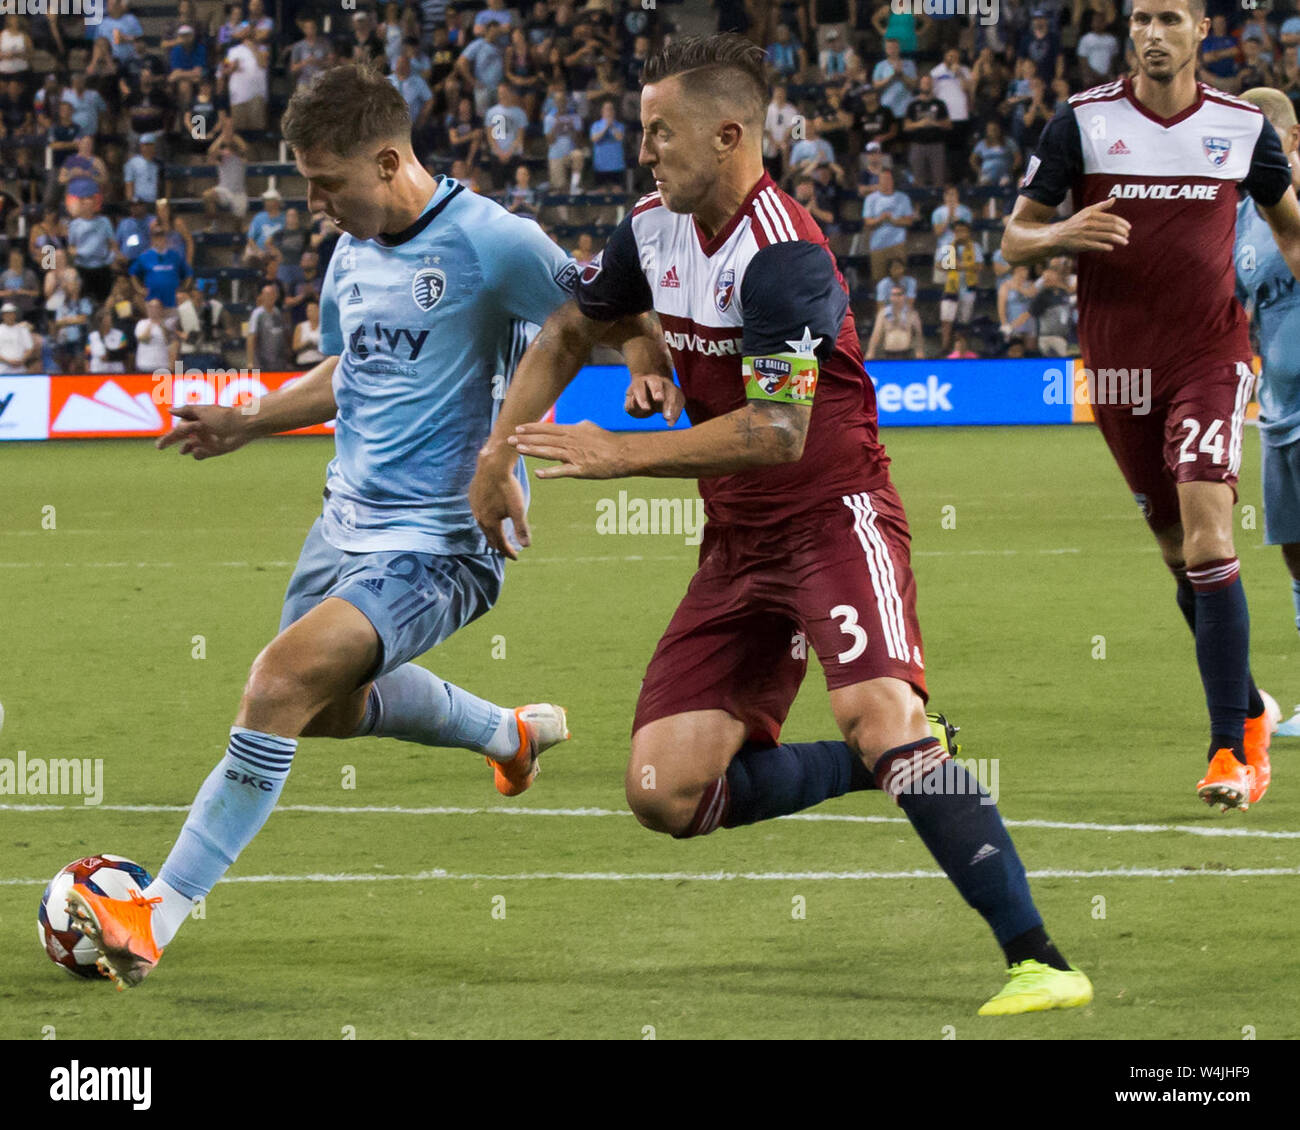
<point x="331" y="336"/>
<point x="530" y="275"/>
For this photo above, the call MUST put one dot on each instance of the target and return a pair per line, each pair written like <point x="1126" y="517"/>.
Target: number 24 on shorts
<point x="1211" y="442"/>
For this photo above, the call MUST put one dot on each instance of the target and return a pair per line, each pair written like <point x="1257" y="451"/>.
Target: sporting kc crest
<point x="427" y="287"/>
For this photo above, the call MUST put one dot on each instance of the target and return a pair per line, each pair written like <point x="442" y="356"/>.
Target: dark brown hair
<point x="721" y="67"/>
<point x="343" y="108"/>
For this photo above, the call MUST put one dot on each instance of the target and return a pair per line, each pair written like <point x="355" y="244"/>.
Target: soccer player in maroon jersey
<point x="806" y="538"/>
<point x="1154" y="162"/>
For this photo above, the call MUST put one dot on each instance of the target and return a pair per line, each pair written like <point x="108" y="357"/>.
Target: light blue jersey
<point x="1268" y="289"/>
<point x="429" y="325"/>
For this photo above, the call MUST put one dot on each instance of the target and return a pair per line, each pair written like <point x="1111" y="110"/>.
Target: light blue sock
<point x="1295" y="599"/>
<point x="230" y="809"/>
<point x="414" y="705"/>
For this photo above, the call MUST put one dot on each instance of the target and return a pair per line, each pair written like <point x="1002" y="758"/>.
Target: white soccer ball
<point x="108" y="875"/>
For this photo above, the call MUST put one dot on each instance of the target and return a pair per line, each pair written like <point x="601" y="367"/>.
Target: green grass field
<point x="1048" y="562"/>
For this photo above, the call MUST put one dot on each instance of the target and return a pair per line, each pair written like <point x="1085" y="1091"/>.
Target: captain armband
<point x="786" y="378"/>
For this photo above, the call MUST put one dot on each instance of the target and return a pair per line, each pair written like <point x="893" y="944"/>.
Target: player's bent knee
<point x="659" y="805"/>
<point x="882" y="718"/>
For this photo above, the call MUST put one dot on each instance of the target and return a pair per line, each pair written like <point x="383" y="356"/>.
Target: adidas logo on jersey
<point x="670" y="277"/>
<point x="354" y="296"/>
<point x="1119" y="149"/>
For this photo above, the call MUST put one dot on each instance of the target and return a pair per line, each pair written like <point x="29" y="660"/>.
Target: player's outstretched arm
<point x="1034" y="233"/>
<point x="208" y="430"/>
<point x="760" y="434"/>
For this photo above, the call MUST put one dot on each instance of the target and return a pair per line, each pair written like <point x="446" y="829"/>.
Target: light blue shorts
<point x="1281" y="474"/>
<point x="413" y="600"/>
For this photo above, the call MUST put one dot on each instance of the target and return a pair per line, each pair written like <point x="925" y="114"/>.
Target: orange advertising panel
<point x="136" y="404"/>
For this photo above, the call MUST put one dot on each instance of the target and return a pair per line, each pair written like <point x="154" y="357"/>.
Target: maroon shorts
<point x="1192" y="434"/>
<point x="838" y="579"/>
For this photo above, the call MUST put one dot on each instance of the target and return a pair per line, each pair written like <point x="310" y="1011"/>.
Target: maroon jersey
<point x="765" y="284"/>
<point x="1166" y="301"/>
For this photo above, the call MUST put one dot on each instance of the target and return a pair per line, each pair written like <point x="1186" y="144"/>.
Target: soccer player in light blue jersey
<point x="429" y="301"/>
<point x="1269" y="292"/>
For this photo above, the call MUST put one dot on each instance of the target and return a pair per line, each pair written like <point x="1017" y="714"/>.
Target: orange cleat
<point x="1255" y="743"/>
<point x="120" y="929"/>
<point x="1226" y="782"/>
<point x="541" y="725"/>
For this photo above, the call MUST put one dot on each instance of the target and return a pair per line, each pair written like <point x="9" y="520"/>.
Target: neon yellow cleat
<point x="1035" y="987"/>
<point x="944" y="732"/>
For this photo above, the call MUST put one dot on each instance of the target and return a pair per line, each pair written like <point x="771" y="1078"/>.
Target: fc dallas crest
<point x="723" y="290"/>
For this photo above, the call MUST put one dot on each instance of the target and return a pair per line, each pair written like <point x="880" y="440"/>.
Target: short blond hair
<point x="1277" y="107"/>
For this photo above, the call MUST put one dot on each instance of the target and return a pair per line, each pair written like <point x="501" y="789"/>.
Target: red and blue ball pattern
<point x="108" y="875"/>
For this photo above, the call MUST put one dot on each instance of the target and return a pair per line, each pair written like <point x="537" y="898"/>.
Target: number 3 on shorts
<point x="1211" y="442"/>
<point x="847" y="616"/>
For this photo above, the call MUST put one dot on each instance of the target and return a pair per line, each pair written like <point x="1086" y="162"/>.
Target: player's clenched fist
<point x="1094" y="228"/>
<point x="206" y="430"/>
<point x="650" y="393"/>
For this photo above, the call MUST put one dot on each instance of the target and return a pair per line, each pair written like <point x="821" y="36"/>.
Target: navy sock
<point x="1223" y="649"/>
<point x="1187" y="605"/>
<point x="957" y="820"/>
<point x="765" y="781"/>
<point x="777" y="780"/>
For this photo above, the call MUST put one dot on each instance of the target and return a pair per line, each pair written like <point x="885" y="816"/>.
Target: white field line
<point x="604" y="559"/>
<point x="823" y="817"/>
<point x="724" y="876"/>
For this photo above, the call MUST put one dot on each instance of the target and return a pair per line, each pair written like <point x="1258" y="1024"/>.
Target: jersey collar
<point x="445" y="189"/>
<point x="1167" y="123"/>
<point x="711" y="246"/>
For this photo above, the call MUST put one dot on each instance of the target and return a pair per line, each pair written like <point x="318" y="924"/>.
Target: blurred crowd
<point x="903" y="134"/>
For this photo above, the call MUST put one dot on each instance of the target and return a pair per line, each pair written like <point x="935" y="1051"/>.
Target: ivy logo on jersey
<point x="428" y="287"/>
<point x="1216" y="150"/>
<point x="591" y="270"/>
<point x="723" y="290"/>
<point x="771" y="373"/>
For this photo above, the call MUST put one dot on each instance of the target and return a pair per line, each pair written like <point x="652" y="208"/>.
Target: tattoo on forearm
<point x="778" y="427"/>
<point x="748" y="429"/>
